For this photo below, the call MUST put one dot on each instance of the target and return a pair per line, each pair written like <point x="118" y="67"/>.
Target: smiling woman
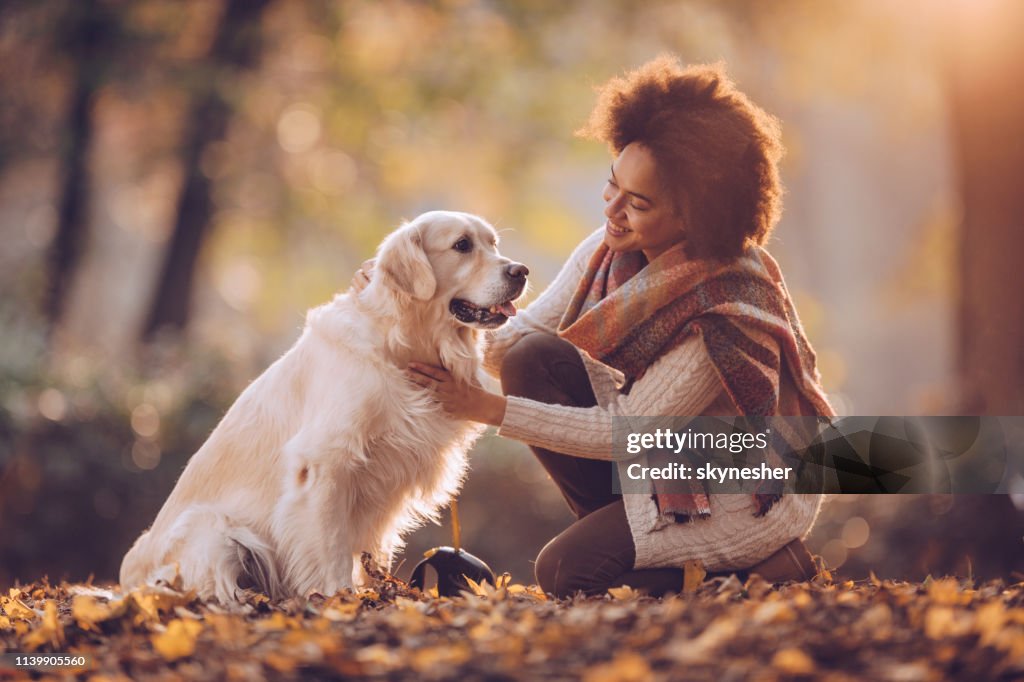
<point x="672" y="308"/>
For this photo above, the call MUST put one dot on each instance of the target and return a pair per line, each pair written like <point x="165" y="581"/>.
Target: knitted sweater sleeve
<point x="682" y="382"/>
<point x="545" y="313"/>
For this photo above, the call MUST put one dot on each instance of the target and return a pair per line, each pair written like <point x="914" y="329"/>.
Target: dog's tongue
<point x="507" y="309"/>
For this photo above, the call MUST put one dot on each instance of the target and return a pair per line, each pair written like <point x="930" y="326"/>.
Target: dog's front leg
<point x="312" y="520"/>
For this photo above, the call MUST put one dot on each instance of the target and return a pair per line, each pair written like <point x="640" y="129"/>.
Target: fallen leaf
<point x="793" y="662"/>
<point x="627" y="666"/>
<point x="276" y="623"/>
<point x="947" y="592"/>
<point x="48" y="632"/>
<point x="945" y="621"/>
<point x="88" y="612"/>
<point x="693" y="576"/>
<point x="623" y="593"/>
<point x="179" y="640"/>
<point x="16" y="609"/>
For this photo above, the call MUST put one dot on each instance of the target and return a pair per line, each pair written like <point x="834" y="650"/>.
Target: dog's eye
<point x="463" y="245"/>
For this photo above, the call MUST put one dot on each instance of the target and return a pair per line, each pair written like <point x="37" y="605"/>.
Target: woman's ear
<point x="403" y="265"/>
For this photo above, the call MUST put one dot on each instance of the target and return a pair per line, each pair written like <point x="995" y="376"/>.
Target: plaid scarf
<point x="627" y="312"/>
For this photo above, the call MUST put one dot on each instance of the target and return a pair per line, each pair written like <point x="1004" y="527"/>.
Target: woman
<point x="671" y="308"/>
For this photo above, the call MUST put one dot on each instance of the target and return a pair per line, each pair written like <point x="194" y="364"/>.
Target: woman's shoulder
<point x="585" y="249"/>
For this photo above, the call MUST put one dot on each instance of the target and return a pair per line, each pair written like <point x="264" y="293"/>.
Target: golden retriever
<point x="332" y="451"/>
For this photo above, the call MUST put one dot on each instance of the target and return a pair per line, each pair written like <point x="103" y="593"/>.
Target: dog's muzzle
<point x="496" y="314"/>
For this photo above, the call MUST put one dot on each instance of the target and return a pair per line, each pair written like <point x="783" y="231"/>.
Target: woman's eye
<point x="639" y="208"/>
<point x="463" y="245"/>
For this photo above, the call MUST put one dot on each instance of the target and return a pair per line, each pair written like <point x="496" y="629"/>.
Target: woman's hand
<point x="362" y="277"/>
<point x="459" y="400"/>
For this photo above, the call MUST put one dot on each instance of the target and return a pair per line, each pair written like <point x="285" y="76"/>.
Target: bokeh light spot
<point x="145" y="454"/>
<point x="52" y="404"/>
<point x="146" y="420"/>
<point x="298" y="129"/>
<point x="856" y="532"/>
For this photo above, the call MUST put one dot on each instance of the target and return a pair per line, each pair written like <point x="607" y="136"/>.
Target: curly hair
<point x="716" y="152"/>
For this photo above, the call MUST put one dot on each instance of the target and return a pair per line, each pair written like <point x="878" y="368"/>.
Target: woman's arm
<point x="683" y="382"/>
<point x="545" y="313"/>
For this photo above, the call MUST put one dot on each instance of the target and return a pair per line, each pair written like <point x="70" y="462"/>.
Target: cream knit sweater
<point x="682" y="382"/>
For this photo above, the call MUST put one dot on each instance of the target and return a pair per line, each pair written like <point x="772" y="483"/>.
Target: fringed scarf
<point x="627" y="312"/>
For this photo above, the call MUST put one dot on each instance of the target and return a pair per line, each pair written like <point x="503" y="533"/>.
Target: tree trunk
<point x="985" y="67"/>
<point x="984" y="60"/>
<point x="86" y="33"/>
<point x="235" y="47"/>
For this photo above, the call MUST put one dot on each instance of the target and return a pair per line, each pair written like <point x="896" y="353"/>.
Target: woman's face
<point x="640" y="213"/>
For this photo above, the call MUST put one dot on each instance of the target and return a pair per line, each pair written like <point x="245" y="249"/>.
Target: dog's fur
<point x="332" y="450"/>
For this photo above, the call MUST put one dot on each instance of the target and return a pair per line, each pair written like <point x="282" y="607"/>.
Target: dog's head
<point x="452" y="258"/>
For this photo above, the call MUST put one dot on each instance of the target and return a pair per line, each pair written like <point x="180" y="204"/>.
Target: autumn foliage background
<point x="180" y="181"/>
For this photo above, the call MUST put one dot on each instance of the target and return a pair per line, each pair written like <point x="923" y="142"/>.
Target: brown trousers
<point x="596" y="552"/>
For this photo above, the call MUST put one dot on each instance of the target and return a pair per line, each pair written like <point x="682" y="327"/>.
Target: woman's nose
<point x="613" y="206"/>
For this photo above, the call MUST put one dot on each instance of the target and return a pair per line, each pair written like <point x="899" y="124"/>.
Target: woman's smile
<point x="615" y="230"/>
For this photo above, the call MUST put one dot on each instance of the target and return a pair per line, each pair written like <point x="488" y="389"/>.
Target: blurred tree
<point x="235" y="47"/>
<point x="984" y="60"/>
<point x="88" y="31"/>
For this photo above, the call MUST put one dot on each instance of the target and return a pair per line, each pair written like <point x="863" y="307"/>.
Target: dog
<point x="332" y="451"/>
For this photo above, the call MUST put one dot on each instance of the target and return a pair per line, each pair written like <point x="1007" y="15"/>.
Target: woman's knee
<point x="544" y="367"/>
<point x="522" y="360"/>
<point x="550" y="571"/>
<point x="559" y="572"/>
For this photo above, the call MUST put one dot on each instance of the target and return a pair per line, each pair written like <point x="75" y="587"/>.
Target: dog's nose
<point x="517" y="271"/>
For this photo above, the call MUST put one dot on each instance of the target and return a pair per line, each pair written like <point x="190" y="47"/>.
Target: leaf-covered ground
<point x="723" y="629"/>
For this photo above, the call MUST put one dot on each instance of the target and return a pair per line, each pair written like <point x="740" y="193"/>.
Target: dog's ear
<point x="404" y="265"/>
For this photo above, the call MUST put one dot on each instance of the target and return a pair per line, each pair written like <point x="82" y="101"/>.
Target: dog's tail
<point x="257" y="567"/>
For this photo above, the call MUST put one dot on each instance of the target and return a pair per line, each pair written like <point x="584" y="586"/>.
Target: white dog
<point x="332" y="451"/>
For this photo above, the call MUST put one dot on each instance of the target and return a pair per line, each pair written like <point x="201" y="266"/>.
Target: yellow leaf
<point x="477" y="588"/>
<point x="623" y="593"/>
<point x="49" y="631"/>
<point x="848" y="598"/>
<point x="277" y="622"/>
<point x="440" y="657"/>
<point x="280" y="663"/>
<point x="88" y="611"/>
<point x="702" y="648"/>
<point x="771" y="612"/>
<point x="179" y="640"/>
<point x="5" y="623"/>
<point x="693" y="576"/>
<point x="379" y="656"/>
<point x="990" y="621"/>
<point x="343" y="613"/>
<point x="17" y="610"/>
<point x="150" y="602"/>
<point x="793" y="662"/>
<point x="625" y="667"/>
<point x="145" y="606"/>
<point x="946" y="592"/>
<point x="944" y="621"/>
